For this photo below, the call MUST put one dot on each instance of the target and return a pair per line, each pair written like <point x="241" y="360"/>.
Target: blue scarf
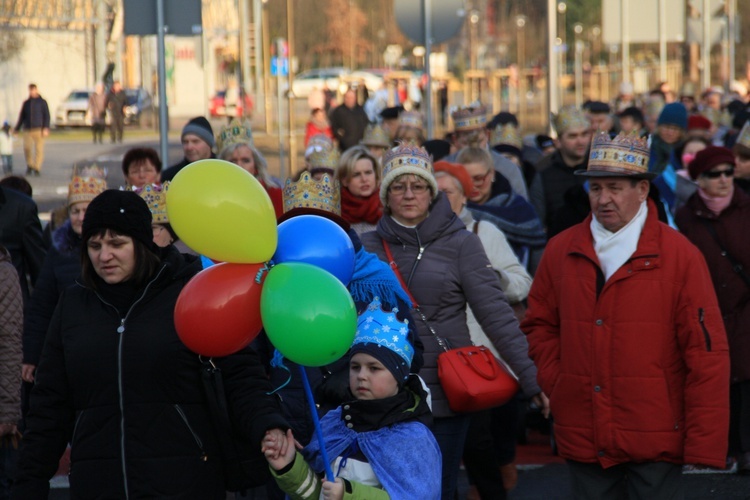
<point x="374" y="278"/>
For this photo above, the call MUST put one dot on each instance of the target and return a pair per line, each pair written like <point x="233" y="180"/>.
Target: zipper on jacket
<point x="705" y="330"/>
<point x="120" y="331"/>
<point x="196" y="437"/>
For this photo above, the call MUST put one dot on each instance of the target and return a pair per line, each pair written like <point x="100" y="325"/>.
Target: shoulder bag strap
<point x="475" y="229"/>
<point x="392" y="262"/>
<point x="736" y="265"/>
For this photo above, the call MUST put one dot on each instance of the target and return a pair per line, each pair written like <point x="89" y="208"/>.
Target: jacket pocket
<point x="706" y="335"/>
<point x="196" y="437"/>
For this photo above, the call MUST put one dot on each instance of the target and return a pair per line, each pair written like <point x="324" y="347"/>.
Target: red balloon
<point x="218" y="311"/>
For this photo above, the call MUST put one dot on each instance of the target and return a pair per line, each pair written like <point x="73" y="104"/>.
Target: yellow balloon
<point x="221" y="211"/>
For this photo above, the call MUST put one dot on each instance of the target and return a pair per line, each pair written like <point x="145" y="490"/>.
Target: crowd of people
<point x="606" y="267"/>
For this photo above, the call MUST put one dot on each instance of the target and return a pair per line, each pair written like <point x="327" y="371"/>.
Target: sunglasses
<point x="715" y="174"/>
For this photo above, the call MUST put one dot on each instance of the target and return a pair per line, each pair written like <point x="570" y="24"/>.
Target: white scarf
<point x="614" y="249"/>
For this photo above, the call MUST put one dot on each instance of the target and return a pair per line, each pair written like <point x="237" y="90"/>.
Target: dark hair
<point x="140" y="155"/>
<point x="634" y="113"/>
<point x="146" y="261"/>
<point x="32" y="86"/>
<point x="17" y="183"/>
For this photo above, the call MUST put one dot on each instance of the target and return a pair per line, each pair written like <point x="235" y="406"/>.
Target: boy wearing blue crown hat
<point x="365" y="436"/>
<point x="628" y="339"/>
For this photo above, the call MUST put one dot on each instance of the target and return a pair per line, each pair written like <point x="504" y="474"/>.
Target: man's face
<point x="195" y="148"/>
<point x="350" y="99"/>
<point x="574" y="143"/>
<point x="671" y="134"/>
<point x="33" y="92"/>
<point x="600" y="121"/>
<point x="628" y="124"/>
<point x="742" y="167"/>
<point x="615" y="201"/>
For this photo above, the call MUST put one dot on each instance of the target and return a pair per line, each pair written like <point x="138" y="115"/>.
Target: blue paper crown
<point x="383" y="328"/>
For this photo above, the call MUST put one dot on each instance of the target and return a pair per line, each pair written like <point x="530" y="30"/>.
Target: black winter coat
<point x="61" y="268"/>
<point x="126" y="393"/>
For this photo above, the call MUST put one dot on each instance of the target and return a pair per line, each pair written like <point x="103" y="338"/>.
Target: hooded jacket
<point x="126" y="393"/>
<point x="453" y="270"/>
<point x="636" y="368"/>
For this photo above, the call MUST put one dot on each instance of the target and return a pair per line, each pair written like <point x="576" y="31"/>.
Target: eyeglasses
<point x="400" y="189"/>
<point x="479" y="179"/>
<point x="715" y="174"/>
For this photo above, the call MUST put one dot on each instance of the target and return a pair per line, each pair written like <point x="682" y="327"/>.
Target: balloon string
<point x="316" y="423"/>
<point x="278" y="362"/>
<point x="266" y="267"/>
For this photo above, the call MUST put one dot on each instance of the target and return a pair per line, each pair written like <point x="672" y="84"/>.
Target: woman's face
<point x="243" y="156"/>
<point x="76" y="212"/>
<point x="409" y="199"/>
<point x="482" y="177"/>
<point x="717" y="186"/>
<point x="162" y="238"/>
<point x="670" y="133"/>
<point x="362" y="181"/>
<point x="690" y="150"/>
<point x="113" y="257"/>
<point x="448" y="185"/>
<point x="142" y="173"/>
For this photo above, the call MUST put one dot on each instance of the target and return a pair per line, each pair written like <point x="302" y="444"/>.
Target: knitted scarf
<point x="357" y="209"/>
<point x="374" y="278"/>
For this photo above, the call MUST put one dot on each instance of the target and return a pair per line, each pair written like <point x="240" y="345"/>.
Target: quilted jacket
<point x="11" y="325"/>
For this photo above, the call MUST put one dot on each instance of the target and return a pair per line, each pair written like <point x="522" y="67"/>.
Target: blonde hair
<point x="473" y="154"/>
<point x="349" y="159"/>
<point x="261" y="166"/>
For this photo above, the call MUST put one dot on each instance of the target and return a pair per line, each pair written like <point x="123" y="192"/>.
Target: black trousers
<point x="648" y="481"/>
<point x="739" y="417"/>
<point x="116" y="127"/>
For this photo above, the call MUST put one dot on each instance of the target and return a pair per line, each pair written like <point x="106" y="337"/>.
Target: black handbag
<point x="244" y="465"/>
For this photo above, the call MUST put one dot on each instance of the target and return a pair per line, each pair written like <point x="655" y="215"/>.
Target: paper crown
<point x="743" y="138"/>
<point x="411" y="119"/>
<point x="235" y="133"/>
<point x="375" y="135"/>
<point x="85" y="189"/>
<point x="155" y="196"/>
<point x="323" y="194"/>
<point x="569" y="117"/>
<point x="469" y="117"/>
<point x="624" y="156"/>
<point x="383" y="328"/>
<point x="324" y="158"/>
<point x="318" y="142"/>
<point x="92" y="170"/>
<point x="506" y="135"/>
<point x="407" y="154"/>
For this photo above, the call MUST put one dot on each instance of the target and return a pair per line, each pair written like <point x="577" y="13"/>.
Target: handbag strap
<point x="443" y="343"/>
<point x="736" y="265"/>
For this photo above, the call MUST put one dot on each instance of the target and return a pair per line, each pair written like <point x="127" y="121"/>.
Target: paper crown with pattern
<point x="375" y="135"/>
<point x="323" y="194"/>
<point x="743" y="138"/>
<point x="506" y="135"/>
<point x="624" y="156"/>
<point x="383" y="328"/>
<point x="155" y="196"/>
<point x="235" y="133"/>
<point x="569" y="117"/>
<point x="325" y="158"/>
<point x="318" y="142"/>
<point x="411" y="119"/>
<point x="92" y="170"/>
<point x="85" y="189"/>
<point x="471" y="117"/>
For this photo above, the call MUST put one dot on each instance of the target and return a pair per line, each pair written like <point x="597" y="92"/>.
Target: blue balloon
<point x="315" y="240"/>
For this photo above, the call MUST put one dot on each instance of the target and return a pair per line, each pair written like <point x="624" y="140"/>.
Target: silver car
<point x="73" y="112"/>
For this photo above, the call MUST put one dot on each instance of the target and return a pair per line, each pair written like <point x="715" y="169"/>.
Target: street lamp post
<point x="578" y="29"/>
<point x="474" y="20"/>
<point x="521" y="42"/>
<point x="562" y="8"/>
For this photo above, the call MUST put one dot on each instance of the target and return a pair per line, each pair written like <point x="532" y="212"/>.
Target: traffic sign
<point x="447" y="18"/>
<point x="279" y="66"/>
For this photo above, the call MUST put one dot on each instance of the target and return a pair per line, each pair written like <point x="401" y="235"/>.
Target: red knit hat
<point x="698" y="122"/>
<point x="459" y="172"/>
<point x="709" y="158"/>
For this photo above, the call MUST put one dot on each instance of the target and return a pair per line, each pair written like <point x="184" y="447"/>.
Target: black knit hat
<point x="200" y="127"/>
<point x="122" y="211"/>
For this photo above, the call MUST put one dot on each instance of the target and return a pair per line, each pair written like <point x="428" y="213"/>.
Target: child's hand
<point x="333" y="491"/>
<point x="278" y="448"/>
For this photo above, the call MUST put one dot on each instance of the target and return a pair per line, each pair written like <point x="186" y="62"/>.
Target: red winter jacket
<point x="641" y="372"/>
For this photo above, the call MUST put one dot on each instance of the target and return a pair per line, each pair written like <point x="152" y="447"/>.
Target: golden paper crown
<point x="569" y="117"/>
<point x="323" y="194"/>
<point x="506" y="135"/>
<point x="743" y="139"/>
<point x="235" y="133"/>
<point x="85" y="189"/>
<point x="155" y="196"/>
<point x="326" y="158"/>
<point x="411" y="119"/>
<point x="470" y="117"/>
<point x="375" y="135"/>
<point x="318" y="142"/>
<point x="626" y="155"/>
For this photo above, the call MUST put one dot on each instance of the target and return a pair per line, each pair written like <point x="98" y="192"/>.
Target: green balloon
<point x="308" y="314"/>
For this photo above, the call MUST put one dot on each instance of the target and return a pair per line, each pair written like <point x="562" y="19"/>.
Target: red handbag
<point x="472" y="378"/>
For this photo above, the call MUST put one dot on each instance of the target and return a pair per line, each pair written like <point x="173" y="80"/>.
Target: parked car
<point x="139" y="107"/>
<point x="320" y="78"/>
<point x="217" y="105"/>
<point x="372" y="81"/>
<point x="73" y="111"/>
